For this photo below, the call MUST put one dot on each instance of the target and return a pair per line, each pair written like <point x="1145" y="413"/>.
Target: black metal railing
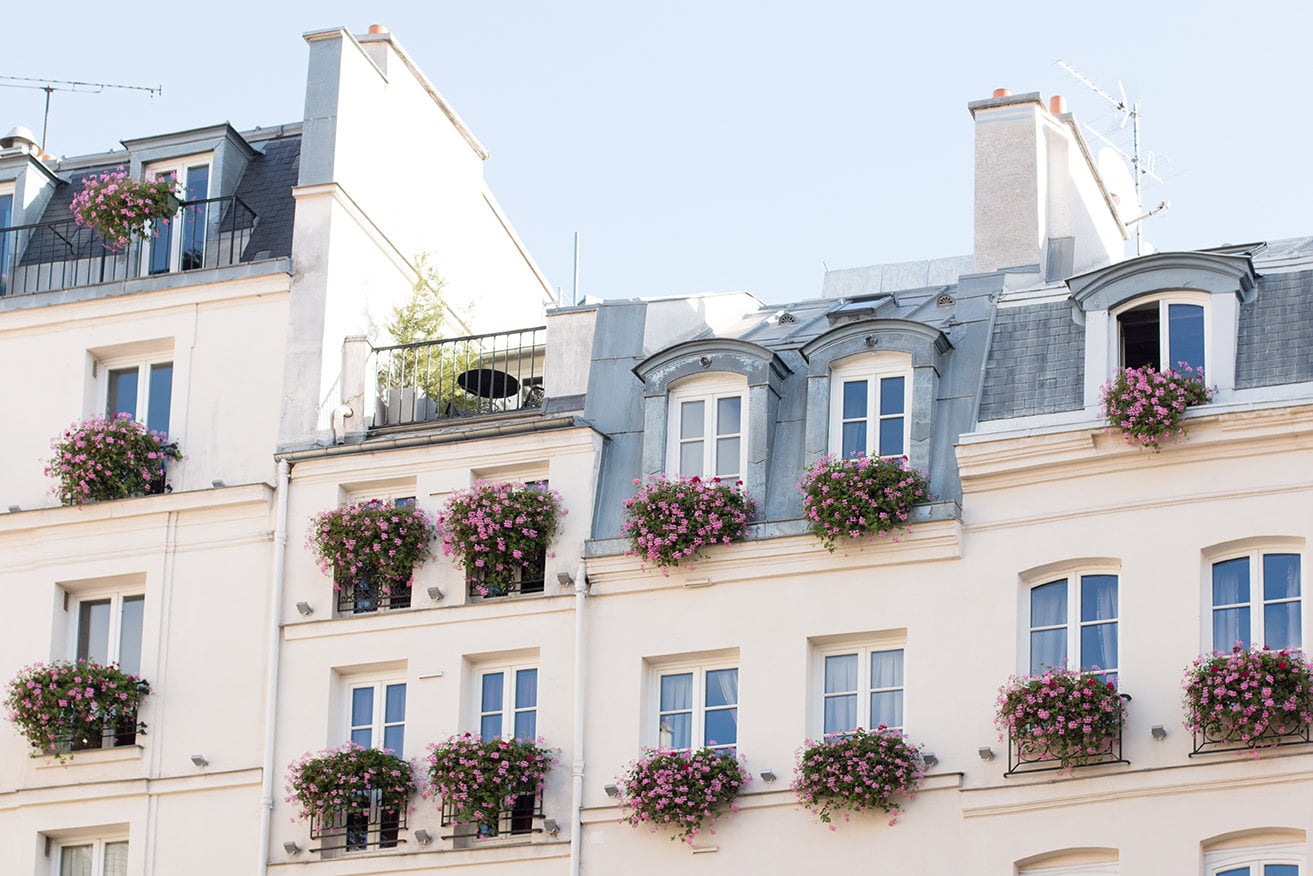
<point x="1297" y="734"/>
<point x="527" y="579"/>
<point x="117" y="733"/>
<point x="519" y="818"/>
<point x="366" y="595"/>
<point x="60" y="255"/>
<point x="1024" y="758"/>
<point x="470" y="376"/>
<point x="377" y="826"/>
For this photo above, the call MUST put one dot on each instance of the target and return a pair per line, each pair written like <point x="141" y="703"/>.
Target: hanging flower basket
<point x="119" y="208"/>
<point x="1147" y="405"/>
<point x="372" y="539"/>
<point x="476" y="779"/>
<point x="858" y="497"/>
<point x="1060" y="716"/>
<point x="1249" y="697"/>
<point x="669" y="520"/>
<point x="497" y="530"/>
<point x="99" y="459"/>
<point x="70" y="705"/>
<point x="343" y="780"/>
<point x="680" y="790"/>
<point x="858" y="771"/>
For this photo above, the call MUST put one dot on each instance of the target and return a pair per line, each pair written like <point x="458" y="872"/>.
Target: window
<point x="178" y="244"/>
<point x="707" y="423"/>
<point x="1163" y="333"/>
<point x="143" y="389"/>
<point x="863" y="687"/>
<point x="7" y="240"/>
<point x="109" y="629"/>
<point x="525" y="579"/>
<point x="364" y="595"/>
<point x="92" y="858"/>
<point x="508" y="703"/>
<point x="1256" y="600"/>
<point x="868" y="407"/>
<point x="377" y="716"/>
<point x="1075" y="617"/>
<point x="698" y="707"/>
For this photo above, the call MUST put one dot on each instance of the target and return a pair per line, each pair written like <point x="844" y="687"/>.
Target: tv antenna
<point x="1141" y="164"/>
<point x="49" y="86"/>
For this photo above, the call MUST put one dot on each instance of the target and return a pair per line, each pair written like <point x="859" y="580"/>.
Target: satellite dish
<point x="1120" y="184"/>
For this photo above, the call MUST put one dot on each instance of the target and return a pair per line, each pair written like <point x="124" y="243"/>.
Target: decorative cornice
<point x="1214" y="273"/>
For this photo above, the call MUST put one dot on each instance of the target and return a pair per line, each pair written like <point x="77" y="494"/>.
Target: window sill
<point x="119" y="754"/>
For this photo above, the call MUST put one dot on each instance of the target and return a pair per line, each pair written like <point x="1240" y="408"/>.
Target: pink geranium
<point x="680" y="790"/>
<point x="1147" y="405"/>
<point x="861" y="496"/>
<point x="668" y="520"/>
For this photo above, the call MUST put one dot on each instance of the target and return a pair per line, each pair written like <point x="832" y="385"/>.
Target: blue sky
<point x="710" y="146"/>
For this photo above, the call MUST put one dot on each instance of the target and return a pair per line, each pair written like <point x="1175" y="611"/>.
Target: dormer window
<point x="869" y="406"/>
<point x="707" y="419"/>
<point x="1163" y="333"/>
<point x="178" y="244"/>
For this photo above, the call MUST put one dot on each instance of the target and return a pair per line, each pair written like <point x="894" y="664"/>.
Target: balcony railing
<point x="1297" y="733"/>
<point x="379" y="826"/>
<point x="115" y="734"/>
<point x="1023" y="759"/>
<point x="365" y="596"/>
<point x="517" y="819"/>
<point x="60" y="255"/>
<point x="476" y="375"/>
<point x="528" y="579"/>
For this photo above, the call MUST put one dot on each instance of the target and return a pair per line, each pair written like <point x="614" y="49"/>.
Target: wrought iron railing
<point x="469" y="376"/>
<point x="1206" y="743"/>
<point x="378" y="826"/>
<point x="1024" y="759"/>
<point x="365" y="596"/>
<point x="518" y="819"/>
<point x="117" y="733"/>
<point x="60" y="255"/>
<point x="528" y="579"/>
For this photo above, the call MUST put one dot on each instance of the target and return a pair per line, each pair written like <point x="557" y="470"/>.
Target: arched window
<point x="1165" y="331"/>
<point x="708" y="418"/>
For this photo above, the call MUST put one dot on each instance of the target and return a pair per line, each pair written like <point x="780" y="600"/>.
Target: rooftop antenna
<point x="1141" y="165"/>
<point x="49" y="86"/>
<point x="575" y="294"/>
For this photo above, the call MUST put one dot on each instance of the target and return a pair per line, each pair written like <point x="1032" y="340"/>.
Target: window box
<point x="860" y="496"/>
<point x="669" y="520"/>
<point x="858" y="770"/>
<point x="1060" y="719"/>
<point x="119" y="208"/>
<point x="1248" y="699"/>
<point x="64" y="707"/>
<point x="371" y="549"/>
<point x="499" y="532"/>
<point x="1147" y="405"/>
<point x="355" y="798"/>
<point x="104" y="458"/>
<point x="680" y="790"/>
<point x="494" y="785"/>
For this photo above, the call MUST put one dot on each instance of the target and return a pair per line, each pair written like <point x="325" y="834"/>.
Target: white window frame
<point x="179" y="167"/>
<point x="1221" y="860"/>
<point x="872" y="368"/>
<point x="863" y="648"/>
<point x="115" y="596"/>
<point x="1073" y="623"/>
<point x="1163" y="299"/>
<point x="709" y="389"/>
<point x="143" y="365"/>
<point x="379" y="682"/>
<point x="97" y="843"/>
<point x="1253" y="550"/>
<point x="1097" y="868"/>
<point x="699" y="672"/>
<point x="509" y="685"/>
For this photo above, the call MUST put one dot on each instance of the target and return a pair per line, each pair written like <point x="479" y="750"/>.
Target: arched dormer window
<point x="1165" y="331"/>
<point x="706" y="417"/>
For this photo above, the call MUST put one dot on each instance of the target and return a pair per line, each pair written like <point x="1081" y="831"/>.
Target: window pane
<point x="1098" y="597"/>
<point x="691" y="414"/>
<point x="1047" y="648"/>
<point x="1048" y="604"/>
<point x="727" y="456"/>
<point x="891" y="395"/>
<point x="1237" y="871"/>
<point x="130" y="623"/>
<point x="676" y="692"/>
<point x="161" y="396"/>
<point x="394" y="738"/>
<point x="93" y="631"/>
<point x="841" y="673"/>
<point x="362" y="706"/>
<point x="492" y="692"/>
<point x="75" y="861"/>
<point x="1281" y="625"/>
<point x="1230" y="625"/>
<point x="690" y="458"/>
<point x="526" y="688"/>
<point x="887" y="708"/>
<point x="854" y="399"/>
<point x="1098" y="646"/>
<point x="891" y="436"/>
<point x="722" y="687"/>
<point x="526" y="725"/>
<point x="722" y="727"/>
<point x="193" y="218"/>
<point x="729" y="412"/>
<point x="1185" y="335"/>
<point x="854" y="438"/>
<point x="116" y="859"/>
<point x="122" y="392"/>
<point x="394" y="704"/>
<point x="1280" y="870"/>
<point x="1139" y="330"/>
<point x="1231" y="582"/>
<point x="887" y="669"/>
<point x="1280" y="576"/>
<point x="840" y="713"/>
<point x="364" y="737"/>
<point x="677" y="731"/>
<point x="490" y="726"/>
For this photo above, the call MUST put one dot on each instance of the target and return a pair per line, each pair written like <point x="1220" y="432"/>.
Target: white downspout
<point x="271" y="663"/>
<point x="577" y="744"/>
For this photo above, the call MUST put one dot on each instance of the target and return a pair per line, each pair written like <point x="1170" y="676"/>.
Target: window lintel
<point x="755" y="362"/>
<point x="924" y="343"/>
<point x="1211" y="273"/>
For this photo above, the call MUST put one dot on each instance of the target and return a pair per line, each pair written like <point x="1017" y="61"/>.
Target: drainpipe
<point x="271" y="663"/>
<point x="577" y="744"/>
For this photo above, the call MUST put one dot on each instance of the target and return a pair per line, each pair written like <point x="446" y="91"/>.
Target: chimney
<point x="1040" y="205"/>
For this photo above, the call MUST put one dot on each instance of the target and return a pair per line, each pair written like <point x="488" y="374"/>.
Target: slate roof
<point x="1036" y="362"/>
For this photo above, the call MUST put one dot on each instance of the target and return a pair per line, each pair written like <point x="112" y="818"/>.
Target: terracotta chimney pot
<point x="1058" y="105"/>
<point x="1001" y="92"/>
<point x="377" y="28"/>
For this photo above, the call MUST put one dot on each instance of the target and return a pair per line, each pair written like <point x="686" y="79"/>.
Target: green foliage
<point x="62" y="705"/>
